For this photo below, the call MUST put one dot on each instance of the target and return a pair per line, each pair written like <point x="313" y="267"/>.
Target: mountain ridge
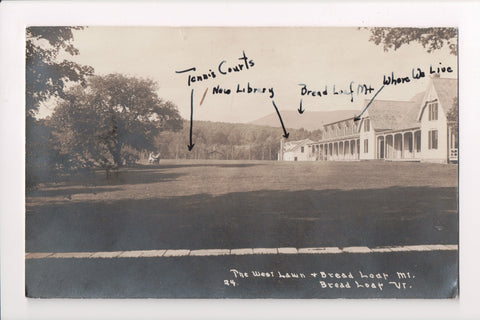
<point x="309" y="120"/>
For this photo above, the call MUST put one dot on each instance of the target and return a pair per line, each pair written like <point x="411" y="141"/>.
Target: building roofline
<point x="326" y="124"/>
<point x="398" y="130"/>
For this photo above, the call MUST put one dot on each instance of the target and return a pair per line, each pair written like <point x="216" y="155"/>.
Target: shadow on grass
<point x="266" y="218"/>
<point x="99" y="178"/>
<point x="68" y="192"/>
<point x="138" y="174"/>
<point x="212" y="164"/>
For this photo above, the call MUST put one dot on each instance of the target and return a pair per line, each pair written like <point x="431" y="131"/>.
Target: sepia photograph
<point x="241" y="162"/>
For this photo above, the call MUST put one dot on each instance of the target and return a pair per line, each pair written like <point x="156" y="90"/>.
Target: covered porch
<point x="452" y="141"/>
<point x="338" y="150"/>
<point x="398" y="146"/>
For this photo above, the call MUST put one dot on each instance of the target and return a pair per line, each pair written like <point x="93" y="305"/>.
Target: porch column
<point x="345" y="154"/>
<point x="358" y="148"/>
<point x="385" y="147"/>
<point x="354" y="146"/>
<point x="378" y="147"/>
<point x="413" y="144"/>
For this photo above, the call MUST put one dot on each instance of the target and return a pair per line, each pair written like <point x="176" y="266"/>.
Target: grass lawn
<point x="235" y="204"/>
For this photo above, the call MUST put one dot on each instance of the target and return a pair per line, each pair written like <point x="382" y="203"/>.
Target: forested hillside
<point x="220" y="140"/>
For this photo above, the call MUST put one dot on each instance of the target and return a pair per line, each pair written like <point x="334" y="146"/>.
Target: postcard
<point x="241" y="162"/>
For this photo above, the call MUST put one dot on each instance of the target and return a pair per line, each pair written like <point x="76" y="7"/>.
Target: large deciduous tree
<point x="430" y="38"/>
<point x="111" y="120"/>
<point x="47" y="75"/>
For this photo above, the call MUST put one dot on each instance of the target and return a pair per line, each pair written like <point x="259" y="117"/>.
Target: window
<point x="433" y="139"/>
<point x="302" y="149"/>
<point x="366" y="125"/>
<point x="433" y="111"/>
<point x="365" y="146"/>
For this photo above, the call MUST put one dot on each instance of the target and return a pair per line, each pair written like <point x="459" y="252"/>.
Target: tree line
<point x="113" y="120"/>
<point x="98" y="121"/>
<point x="226" y="141"/>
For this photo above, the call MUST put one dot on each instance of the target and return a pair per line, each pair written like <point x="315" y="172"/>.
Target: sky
<point x="279" y="59"/>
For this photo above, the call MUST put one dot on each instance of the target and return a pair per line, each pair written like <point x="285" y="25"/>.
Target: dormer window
<point x="433" y="111"/>
<point x="366" y="125"/>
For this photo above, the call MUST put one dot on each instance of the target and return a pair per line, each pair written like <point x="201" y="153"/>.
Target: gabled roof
<point x="293" y="145"/>
<point x="388" y="115"/>
<point x="418" y="97"/>
<point x="447" y="91"/>
<point x="410" y="118"/>
<point x="395" y="115"/>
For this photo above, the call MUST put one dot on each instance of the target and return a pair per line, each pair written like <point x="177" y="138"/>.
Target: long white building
<point x="415" y="130"/>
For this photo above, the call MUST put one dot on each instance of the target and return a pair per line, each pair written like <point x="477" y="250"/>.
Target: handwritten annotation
<point x="243" y="89"/>
<point x="353" y="89"/>
<point x="350" y="90"/>
<point x="223" y="68"/>
<point x="417" y="73"/>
